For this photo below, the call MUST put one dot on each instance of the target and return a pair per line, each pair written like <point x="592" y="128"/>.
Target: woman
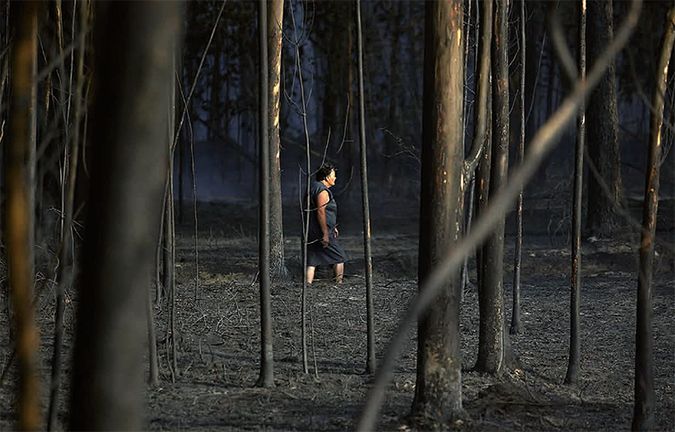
<point x="322" y="240"/>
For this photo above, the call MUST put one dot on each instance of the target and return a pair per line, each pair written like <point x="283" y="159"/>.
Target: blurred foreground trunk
<point x="134" y="43"/>
<point x="19" y="179"/>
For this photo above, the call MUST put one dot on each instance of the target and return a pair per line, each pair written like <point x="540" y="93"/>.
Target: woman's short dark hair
<point x="324" y="171"/>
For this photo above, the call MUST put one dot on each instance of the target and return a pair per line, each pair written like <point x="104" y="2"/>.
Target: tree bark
<point x="133" y="61"/>
<point x="603" y="138"/>
<point x="518" y="253"/>
<point x="438" y="392"/>
<point x="19" y="178"/>
<point x="575" y="274"/>
<point x="275" y="36"/>
<point x="367" y="255"/>
<point x="482" y="190"/>
<point x="492" y="345"/>
<point x="643" y="413"/>
<point x="266" y="378"/>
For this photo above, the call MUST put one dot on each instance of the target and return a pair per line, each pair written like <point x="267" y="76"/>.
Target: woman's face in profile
<point x="331" y="178"/>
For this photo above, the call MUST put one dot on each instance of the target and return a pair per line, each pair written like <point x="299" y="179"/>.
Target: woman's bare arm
<point x="321" y="202"/>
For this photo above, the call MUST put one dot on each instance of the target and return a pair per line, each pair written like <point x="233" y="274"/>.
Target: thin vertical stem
<point x="153" y="378"/>
<point x="517" y="258"/>
<point x="169" y="266"/>
<point x="575" y="276"/>
<point x="307" y="209"/>
<point x="266" y="378"/>
<point x="643" y="412"/>
<point x="370" y="362"/>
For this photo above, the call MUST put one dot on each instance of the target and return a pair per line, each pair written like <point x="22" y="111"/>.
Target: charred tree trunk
<point x="19" y="179"/>
<point x="492" y="347"/>
<point x="370" y="361"/>
<point x="537" y="37"/>
<point x="181" y="178"/>
<point x="575" y="276"/>
<point x="643" y="413"/>
<point x="266" y="378"/>
<point x="517" y="258"/>
<point x="482" y="191"/>
<point x="133" y="63"/>
<point x="274" y="32"/>
<point x="472" y="182"/>
<point x="603" y="138"/>
<point x="390" y="141"/>
<point x="169" y="267"/>
<point x="477" y="166"/>
<point x="438" y="392"/>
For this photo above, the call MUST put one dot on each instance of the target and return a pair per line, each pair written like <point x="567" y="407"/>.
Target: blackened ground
<point x="218" y="326"/>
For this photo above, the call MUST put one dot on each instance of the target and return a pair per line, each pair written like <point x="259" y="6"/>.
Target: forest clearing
<point x="222" y="339"/>
<point x="218" y="352"/>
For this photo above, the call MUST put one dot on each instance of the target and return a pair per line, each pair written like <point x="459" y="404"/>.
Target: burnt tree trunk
<point x="482" y="189"/>
<point x="438" y="392"/>
<point x="492" y="346"/>
<point x="266" y="378"/>
<point x="603" y="138"/>
<point x="19" y="182"/>
<point x="518" y="253"/>
<point x="477" y="164"/>
<point x="365" y="205"/>
<point x="575" y="274"/>
<point x="133" y="61"/>
<point x="275" y="37"/>
<point x="643" y="412"/>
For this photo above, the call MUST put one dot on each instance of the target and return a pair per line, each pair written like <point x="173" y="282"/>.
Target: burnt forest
<point x="336" y="215"/>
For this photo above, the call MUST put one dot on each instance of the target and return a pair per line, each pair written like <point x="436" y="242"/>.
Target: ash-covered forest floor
<point x="219" y="336"/>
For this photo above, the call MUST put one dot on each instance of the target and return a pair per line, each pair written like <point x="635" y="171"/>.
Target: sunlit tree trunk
<point x="133" y="62"/>
<point x="603" y="137"/>
<point x="492" y="347"/>
<point x="19" y="179"/>
<point x="4" y="74"/>
<point x="275" y="36"/>
<point x="438" y="391"/>
<point x="643" y="413"/>
<point x="477" y="164"/>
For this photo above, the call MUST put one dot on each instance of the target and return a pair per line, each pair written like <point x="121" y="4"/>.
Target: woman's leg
<point x="339" y="272"/>
<point x="310" y="274"/>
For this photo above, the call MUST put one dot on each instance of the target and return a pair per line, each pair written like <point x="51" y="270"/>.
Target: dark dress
<point x="316" y="253"/>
